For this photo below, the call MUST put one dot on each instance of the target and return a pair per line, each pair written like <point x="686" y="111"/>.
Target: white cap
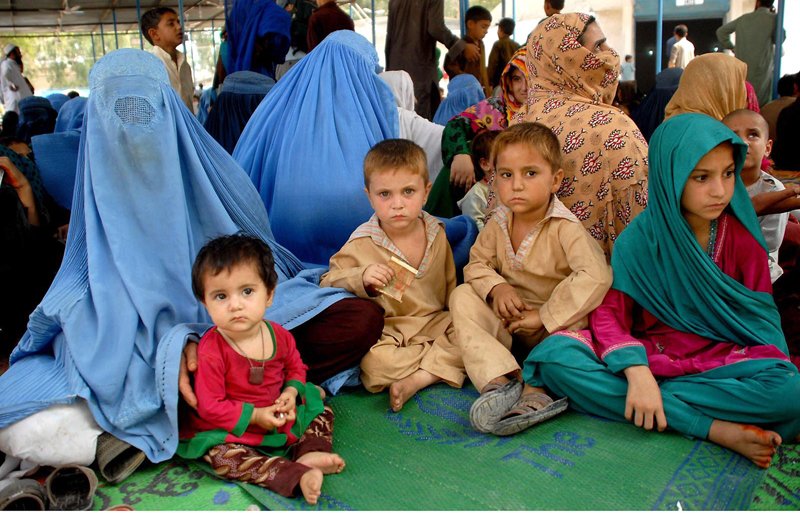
<point x="8" y="49"/>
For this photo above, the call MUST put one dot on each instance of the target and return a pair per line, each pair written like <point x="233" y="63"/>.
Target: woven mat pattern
<point x="427" y="457"/>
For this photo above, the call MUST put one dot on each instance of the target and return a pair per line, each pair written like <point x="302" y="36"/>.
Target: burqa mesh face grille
<point x="134" y="110"/>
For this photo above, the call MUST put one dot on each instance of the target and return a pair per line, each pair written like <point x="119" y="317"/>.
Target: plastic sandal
<point x="71" y="487"/>
<point x="117" y="459"/>
<point x="516" y="423"/>
<point x="23" y="495"/>
<point x="493" y="404"/>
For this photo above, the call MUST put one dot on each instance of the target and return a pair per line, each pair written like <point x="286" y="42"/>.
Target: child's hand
<point x="287" y="401"/>
<point x="528" y="324"/>
<point x="643" y="405"/>
<point x="268" y="418"/>
<point x="506" y="303"/>
<point x="377" y="275"/>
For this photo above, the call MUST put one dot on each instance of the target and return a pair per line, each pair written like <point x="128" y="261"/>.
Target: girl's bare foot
<point x="327" y="462"/>
<point x="311" y="485"/>
<point x="756" y="444"/>
<point x="403" y="390"/>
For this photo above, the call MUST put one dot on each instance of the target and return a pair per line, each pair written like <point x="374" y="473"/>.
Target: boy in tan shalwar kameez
<point x="534" y="270"/>
<point x="415" y="349"/>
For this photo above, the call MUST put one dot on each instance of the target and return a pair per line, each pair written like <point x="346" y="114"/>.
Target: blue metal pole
<point x="463" y="5"/>
<point x="504" y="8"/>
<point x="372" y="15"/>
<point x="779" y="33"/>
<point x="183" y="23"/>
<point x="102" y="39"/>
<point x="226" y="14"/>
<point x="659" y="34"/>
<point x="116" y="35"/>
<point x="138" y="18"/>
<point x="514" y="10"/>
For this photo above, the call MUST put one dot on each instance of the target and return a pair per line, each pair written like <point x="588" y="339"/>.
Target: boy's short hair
<point x="150" y="20"/>
<point x="228" y="251"/>
<point x="628" y="56"/>
<point x="557" y="4"/>
<point x="507" y="25"/>
<point x="747" y="112"/>
<point x="477" y="13"/>
<point x="535" y="135"/>
<point x="481" y="148"/>
<point x="395" y="154"/>
<point x="681" y="30"/>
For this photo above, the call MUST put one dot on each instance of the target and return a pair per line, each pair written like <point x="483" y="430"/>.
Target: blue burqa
<point x="463" y="92"/>
<point x="57" y="153"/>
<point x="257" y="28"/>
<point x="70" y="117"/>
<point x="305" y="144"/>
<point x="152" y="188"/>
<point x="36" y="116"/>
<point x="239" y="97"/>
<point x="57" y="100"/>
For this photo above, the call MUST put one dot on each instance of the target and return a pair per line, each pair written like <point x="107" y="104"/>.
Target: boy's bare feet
<point x="403" y="390"/>
<point x="756" y="444"/>
<point x="327" y="462"/>
<point x="311" y="485"/>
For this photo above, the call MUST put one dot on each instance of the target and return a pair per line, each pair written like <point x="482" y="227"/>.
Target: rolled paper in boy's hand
<point x="404" y="276"/>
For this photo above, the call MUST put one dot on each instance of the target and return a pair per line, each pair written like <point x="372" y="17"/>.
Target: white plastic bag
<point x="64" y="434"/>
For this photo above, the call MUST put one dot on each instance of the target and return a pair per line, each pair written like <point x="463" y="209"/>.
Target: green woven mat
<point x="173" y="486"/>
<point x="428" y="458"/>
<point x="781" y="486"/>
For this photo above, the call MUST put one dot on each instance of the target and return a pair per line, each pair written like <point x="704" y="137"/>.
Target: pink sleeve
<point x="611" y="324"/>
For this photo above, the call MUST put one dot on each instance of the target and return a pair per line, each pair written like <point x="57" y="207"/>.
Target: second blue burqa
<point x="305" y="144"/>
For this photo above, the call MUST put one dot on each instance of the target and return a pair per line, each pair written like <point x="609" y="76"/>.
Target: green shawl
<point x="658" y="262"/>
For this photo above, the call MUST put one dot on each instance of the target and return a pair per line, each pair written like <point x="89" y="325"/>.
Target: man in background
<point x="683" y="50"/>
<point x="413" y="28"/>
<point x="755" y="45"/>
<point x="13" y="84"/>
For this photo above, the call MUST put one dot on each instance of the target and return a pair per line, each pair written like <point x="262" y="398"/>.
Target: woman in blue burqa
<point x="239" y="97"/>
<point x="304" y="149"/>
<point x="258" y="36"/>
<point x="152" y="188"/>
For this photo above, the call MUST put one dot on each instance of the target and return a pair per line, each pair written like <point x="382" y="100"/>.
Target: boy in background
<point x="162" y="29"/>
<point x="475" y="202"/>
<point x="533" y="270"/>
<point x="401" y="244"/>
<point x="753" y="129"/>
<point x="478" y="21"/>
<point x="502" y="51"/>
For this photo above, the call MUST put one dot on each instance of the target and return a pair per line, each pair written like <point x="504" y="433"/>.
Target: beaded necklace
<point x="712" y="238"/>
